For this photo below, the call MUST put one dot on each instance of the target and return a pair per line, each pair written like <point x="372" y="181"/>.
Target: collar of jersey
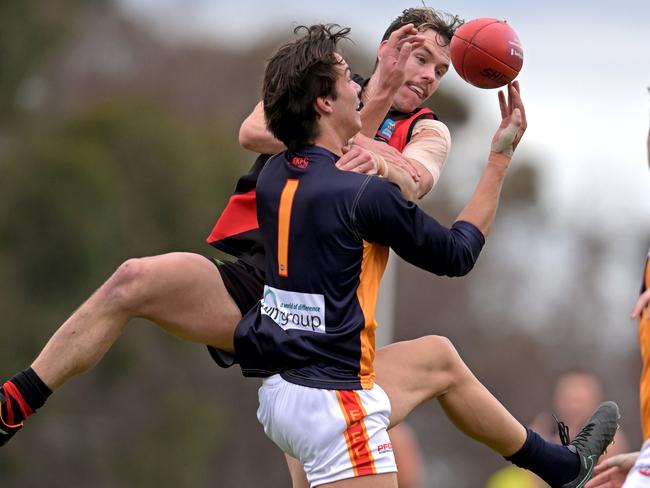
<point x="315" y="153"/>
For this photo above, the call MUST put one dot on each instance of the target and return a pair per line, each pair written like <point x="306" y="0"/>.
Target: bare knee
<point x="126" y="288"/>
<point x="443" y="357"/>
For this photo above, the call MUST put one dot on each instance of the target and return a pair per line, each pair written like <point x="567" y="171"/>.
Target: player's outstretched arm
<point x="481" y="209"/>
<point x="611" y="473"/>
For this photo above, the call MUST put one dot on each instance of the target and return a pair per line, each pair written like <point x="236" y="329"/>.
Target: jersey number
<point x="284" y="219"/>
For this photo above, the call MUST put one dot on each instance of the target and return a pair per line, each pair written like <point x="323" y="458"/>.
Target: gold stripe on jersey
<point x="373" y="265"/>
<point x="284" y="221"/>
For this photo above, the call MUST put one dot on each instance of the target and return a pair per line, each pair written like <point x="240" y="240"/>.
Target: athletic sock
<point x="24" y="393"/>
<point x="554" y="463"/>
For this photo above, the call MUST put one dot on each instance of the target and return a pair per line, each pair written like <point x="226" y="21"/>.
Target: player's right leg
<point x="183" y="293"/>
<point x="412" y="372"/>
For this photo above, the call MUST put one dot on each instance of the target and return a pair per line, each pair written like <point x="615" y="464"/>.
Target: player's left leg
<point x="412" y="372"/>
<point x="387" y="480"/>
<point x="297" y="472"/>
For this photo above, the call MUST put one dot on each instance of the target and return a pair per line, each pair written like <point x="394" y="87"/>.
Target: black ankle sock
<point x="554" y="463"/>
<point x="31" y="388"/>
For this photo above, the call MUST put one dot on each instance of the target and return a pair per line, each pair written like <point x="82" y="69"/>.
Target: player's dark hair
<point x="424" y="18"/>
<point x="299" y="73"/>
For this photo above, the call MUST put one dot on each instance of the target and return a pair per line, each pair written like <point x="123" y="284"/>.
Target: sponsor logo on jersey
<point x="386" y="130"/>
<point x="299" y="162"/>
<point x="294" y="310"/>
<point x="645" y="471"/>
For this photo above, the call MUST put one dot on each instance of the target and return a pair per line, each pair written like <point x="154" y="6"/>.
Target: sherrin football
<point x="486" y="53"/>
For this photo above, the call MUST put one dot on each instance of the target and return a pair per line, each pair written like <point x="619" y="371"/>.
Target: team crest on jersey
<point x="299" y="162"/>
<point x="294" y="310"/>
<point x="386" y="130"/>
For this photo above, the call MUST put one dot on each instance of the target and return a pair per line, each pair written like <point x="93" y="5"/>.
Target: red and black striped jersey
<point x="326" y="234"/>
<point x="236" y="231"/>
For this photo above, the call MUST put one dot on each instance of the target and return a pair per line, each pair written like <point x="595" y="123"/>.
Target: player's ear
<point x="380" y="49"/>
<point x="324" y="105"/>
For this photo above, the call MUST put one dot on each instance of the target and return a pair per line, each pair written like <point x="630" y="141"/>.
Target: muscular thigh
<point x="411" y="372"/>
<point x="387" y="480"/>
<point x="186" y="296"/>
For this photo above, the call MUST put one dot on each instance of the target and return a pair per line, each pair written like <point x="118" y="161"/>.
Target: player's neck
<point x="331" y="139"/>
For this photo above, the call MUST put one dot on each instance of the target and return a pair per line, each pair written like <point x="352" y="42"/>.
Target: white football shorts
<point x="336" y="434"/>
<point x="639" y="475"/>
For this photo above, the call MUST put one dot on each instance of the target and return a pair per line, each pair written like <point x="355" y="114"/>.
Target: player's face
<point x="346" y="105"/>
<point x="423" y="71"/>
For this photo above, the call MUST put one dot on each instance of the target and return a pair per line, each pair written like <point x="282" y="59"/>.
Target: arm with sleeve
<point x="380" y="214"/>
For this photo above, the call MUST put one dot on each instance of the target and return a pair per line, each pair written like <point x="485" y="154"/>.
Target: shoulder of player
<point x="373" y="189"/>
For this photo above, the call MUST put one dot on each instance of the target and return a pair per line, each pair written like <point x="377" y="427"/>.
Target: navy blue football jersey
<point x="326" y="235"/>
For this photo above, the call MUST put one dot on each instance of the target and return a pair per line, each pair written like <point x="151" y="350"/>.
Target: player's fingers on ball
<point x="510" y="96"/>
<point x="515" y="98"/>
<point x="502" y="105"/>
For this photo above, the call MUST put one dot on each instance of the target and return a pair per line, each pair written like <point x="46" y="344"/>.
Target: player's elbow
<point x="425" y="185"/>
<point x="462" y="263"/>
<point x="247" y="137"/>
<point x="463" y="269"/>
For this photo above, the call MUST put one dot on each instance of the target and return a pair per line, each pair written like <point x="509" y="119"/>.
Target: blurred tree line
<point x="114" y="144"/>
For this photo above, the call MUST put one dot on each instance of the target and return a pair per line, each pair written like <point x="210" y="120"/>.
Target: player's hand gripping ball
<point x="486" y="53"/>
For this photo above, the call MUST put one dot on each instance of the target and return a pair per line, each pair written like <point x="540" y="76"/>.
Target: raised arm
<point x="392" y="56"/>
<point x="383" y="216"/>
<point x="482" y="207"/>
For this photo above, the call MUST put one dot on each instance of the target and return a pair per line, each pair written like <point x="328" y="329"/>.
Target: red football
<point x="486" y="53"/>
